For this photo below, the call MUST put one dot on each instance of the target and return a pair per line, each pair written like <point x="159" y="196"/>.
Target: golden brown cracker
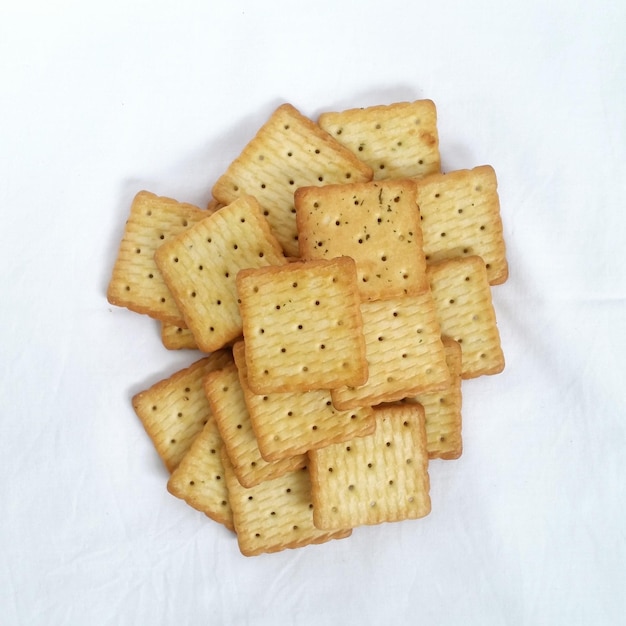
<point x="404" y="352"/>
<point x="462" y="296"/>
<point x="136" y="282"/>
<point x="288" y="424"/>
<point x="200" y="267"/>
<point x="396" y="140"/>
<point x="213" y="205"/>
<point x="460" y="214"/>
<point x="443" y="410"/>
<point x="199" y="478"/>
<point x="289" y="151"/>
<point x="174" y="410"/>
<point x="227" y="402"/>
<point x="375" y="223"/>
<point x="302" y="326"/>
<point x="177" y="337"/>
<point x="382" y="477"/>
<point x="276" y="514"/>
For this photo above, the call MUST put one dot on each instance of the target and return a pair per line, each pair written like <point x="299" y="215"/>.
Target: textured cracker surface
<point x="227" y="402"/>
<point x="287" y="424"/>
<point x="404" y="352"/>
<point x="398" y="140"/>
<point x="174" y="410"/>
<point x="379" y="478"/>
<point x="462" y="296"/>
<point x="302" y="326"/>
<point x="289" y="151"/>
<point x="199" y="478"/>
<point x="443" y="410"/>
<point x="461" y="216"/>
<point x="376" y="223"/>
<point x="136" y="282"/>
<point x="276" y="514"/>
<point x="201" y="264"/>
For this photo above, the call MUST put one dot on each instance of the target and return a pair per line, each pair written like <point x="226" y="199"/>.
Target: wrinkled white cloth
<point x="527" y="527"/>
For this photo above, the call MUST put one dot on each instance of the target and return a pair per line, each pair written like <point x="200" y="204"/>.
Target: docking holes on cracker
<point x="336" y="292"/>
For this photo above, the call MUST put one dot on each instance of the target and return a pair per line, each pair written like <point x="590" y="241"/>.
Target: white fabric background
<point x="100" y="101"/>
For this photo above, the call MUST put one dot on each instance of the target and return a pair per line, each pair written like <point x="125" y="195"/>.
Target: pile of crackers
<point x="339" y="286"/>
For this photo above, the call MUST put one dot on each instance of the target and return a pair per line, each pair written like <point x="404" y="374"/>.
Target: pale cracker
<point x="396" y="140"/>
<point x="302" y="326"/>
<point x="375" y="223"/>
<point x="379" y="478"/>
<point x="289" y="151"/>
<point x="199" y="478"/>
<point x="287" y="424"/>
<point x="443" y="410"/>
<point x="174" y="410"/>
<point x="465" y="311"/>
<point x="227" y="402"/>
<point x="136" y="282"/>
<point x="276" y="514"/>
<point x="200" y="267"/>
<point x="460" y="214"/>
<point x="404" y="352"/>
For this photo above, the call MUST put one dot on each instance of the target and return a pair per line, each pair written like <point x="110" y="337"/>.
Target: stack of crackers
<point x="339" y="285"/>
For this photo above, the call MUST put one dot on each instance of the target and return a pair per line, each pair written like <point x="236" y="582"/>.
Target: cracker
<point x="396" y="140"/>
<point x="136" y="282"/>
<point x="287" y="424"/>
<point x="177" y="337"/>
<point x="227" y="402"/>
<point x="276" y="514"/>
<point x="200" y="266"/>
<point x="376" y="223"/>
<point x="302" y="326"/>
<point x="465" y="311"/>
<point x="461" y="216"/>
<point x="404" y="352"/>
<point x="174" y="410"/>
<point x="379" y="478"/>
<point x="289" y="151"/>
<point x="199" y="478"/>
<point x="443" y="410"/>
<point x="213" y="205"/>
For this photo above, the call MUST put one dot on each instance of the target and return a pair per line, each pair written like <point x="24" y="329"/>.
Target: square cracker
<point x="227" y="402"/>
<point x="460" y="214"/>
<point x="287" y="424"/>
<point x="276" y="514"/>
<point x="289" y="151"/>
<point x="375" y="223"/>
<point x="199" y="478"/>
<point x="462" y="296"/>
<point x="302" y="326"/>
<point x="404" y="352"/>
<point x="177" y="337"/>
<point x="379" y="478"/>
<point x="396" y="140"/>
<point x="443" y="410"/>
<point x="136" y="282"/>
<point x="174" y="410"/>
<point x="201" y="264"/>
